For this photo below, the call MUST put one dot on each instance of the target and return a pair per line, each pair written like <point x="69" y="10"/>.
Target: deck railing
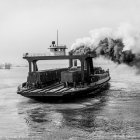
<point x="35" y="54"/>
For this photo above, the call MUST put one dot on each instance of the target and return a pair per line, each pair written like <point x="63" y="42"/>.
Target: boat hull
<point x="57" y="92"/>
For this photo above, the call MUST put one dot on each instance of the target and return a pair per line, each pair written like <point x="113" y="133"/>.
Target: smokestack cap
<point x="53" y="42"/>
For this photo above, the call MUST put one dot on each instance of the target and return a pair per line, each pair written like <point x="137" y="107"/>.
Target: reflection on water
<point x="47" y="118"/>
<point x="100" y="116"/>
<point x="114" y="113"/>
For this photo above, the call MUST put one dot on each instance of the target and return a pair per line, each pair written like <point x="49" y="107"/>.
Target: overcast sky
<point x="30" y="25"/>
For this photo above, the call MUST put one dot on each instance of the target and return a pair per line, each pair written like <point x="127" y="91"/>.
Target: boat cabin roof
<point x="36" y="58"/>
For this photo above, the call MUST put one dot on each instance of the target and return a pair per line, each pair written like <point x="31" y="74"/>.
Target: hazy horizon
<point x="31" y="25"/>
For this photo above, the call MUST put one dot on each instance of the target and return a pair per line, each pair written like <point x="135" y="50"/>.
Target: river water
<point x="112" y="114"/>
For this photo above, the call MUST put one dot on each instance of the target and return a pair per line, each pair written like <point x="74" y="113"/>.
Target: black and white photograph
<point x="69" y="69"/>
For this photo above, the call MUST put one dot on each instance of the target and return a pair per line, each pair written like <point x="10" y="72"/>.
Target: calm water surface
<point x="113" y="114"/>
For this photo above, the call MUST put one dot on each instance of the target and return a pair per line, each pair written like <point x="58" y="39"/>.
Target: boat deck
<point x="57" y="89"/>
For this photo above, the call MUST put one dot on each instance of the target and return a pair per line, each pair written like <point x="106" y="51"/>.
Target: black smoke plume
<point x="118" y="49"/>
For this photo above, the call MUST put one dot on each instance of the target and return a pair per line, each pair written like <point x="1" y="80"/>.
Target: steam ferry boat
<point x="63" y="83"/>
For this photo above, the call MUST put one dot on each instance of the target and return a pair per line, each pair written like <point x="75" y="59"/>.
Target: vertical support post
<point x="30" y="66"/>
<point x="88" y="70"/>
<point x="70" y="63"/>
<point x="82" y="69"/>
<point x="75" y="62"/>
<point x="34" y="66"/>
<point x="91" y="66"/>
<point x="70" y="60"/>
<point x="85" y="64"/>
